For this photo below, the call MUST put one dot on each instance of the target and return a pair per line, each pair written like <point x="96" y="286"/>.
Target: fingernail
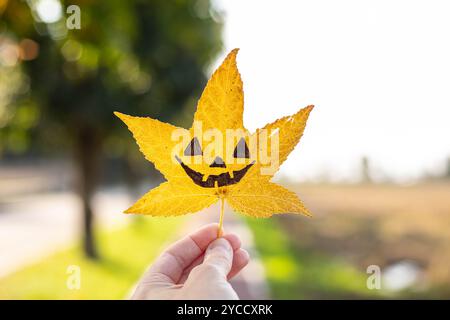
<point x="246" y="254"/>
<point x="221" y="244"/>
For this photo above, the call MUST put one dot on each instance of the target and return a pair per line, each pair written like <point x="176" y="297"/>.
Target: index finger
<point x="171" y="263"/>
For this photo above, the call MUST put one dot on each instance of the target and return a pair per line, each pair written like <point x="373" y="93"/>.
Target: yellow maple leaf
<point x="217" y="158"/>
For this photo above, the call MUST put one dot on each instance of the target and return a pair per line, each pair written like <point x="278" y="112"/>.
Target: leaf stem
<point x="220" y="230"/>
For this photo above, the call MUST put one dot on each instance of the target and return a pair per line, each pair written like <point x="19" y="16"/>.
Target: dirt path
<point x="35" y="226"/>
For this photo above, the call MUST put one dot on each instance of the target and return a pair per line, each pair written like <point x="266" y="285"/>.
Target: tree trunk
<point x="88" y="155"/>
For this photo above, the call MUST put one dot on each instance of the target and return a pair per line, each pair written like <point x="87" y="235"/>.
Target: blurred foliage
<point x="301" y="274"/>
<point x="60" y="86"/>
<point x="126" y="254"/>
<point x="136" y="56"/>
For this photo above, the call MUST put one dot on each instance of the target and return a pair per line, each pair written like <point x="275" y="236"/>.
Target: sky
<point x="378" y="73"/>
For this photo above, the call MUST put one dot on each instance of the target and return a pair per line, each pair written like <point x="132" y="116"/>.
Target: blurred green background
<point x="61" y="146"/>
<point x="68" y="167"/>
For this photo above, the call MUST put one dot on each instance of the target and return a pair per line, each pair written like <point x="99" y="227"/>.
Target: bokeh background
<point x="373" y="165"/>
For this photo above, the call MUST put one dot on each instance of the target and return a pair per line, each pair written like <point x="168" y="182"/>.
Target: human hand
<point x="195" y="267"/>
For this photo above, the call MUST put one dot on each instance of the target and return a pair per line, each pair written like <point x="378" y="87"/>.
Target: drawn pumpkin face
<point x="219" y="171"/>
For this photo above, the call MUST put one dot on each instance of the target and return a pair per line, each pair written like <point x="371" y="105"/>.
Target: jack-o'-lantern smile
<point x="216" y="180"/>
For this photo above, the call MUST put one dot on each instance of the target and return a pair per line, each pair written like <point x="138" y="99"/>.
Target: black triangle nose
<point x="218" y="162"/>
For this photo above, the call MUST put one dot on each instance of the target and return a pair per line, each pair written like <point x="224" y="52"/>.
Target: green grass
<point x="126" y="253"/>
<point x="298" y="274"/>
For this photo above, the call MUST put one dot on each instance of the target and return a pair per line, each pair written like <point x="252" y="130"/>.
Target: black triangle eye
<point x="241" y="150"/>
<point x="193" y="148"/>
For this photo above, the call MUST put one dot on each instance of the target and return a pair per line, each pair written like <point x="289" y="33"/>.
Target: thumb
<point x="219" y="256"/>
<point x="209" y="280"/>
